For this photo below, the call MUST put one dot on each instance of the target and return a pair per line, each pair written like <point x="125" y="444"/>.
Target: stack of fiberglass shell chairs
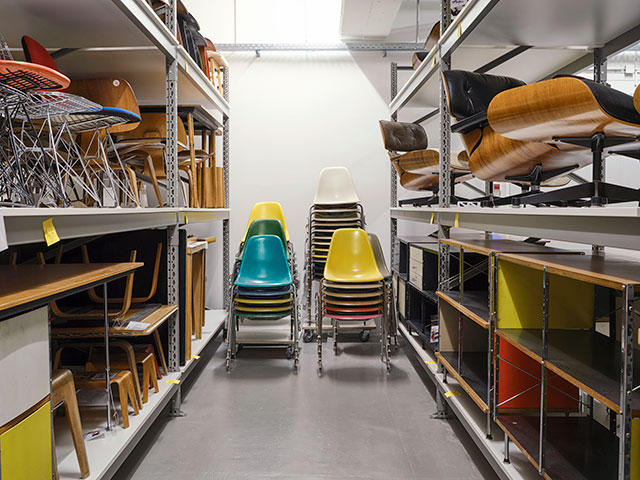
<point x="536" y="134"/>
<point x="392" y="324"/>
<point x="418" y="166"/>
<point x="336" y="205"/>
<point x="353" y="290"/>
<point x="40" y="162"/>
<point x="264" y="290"/>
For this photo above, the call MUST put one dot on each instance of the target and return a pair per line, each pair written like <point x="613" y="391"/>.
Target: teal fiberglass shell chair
<point x="263" y="290"/>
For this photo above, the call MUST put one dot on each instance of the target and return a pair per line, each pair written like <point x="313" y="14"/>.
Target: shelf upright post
<point x="394" y="175"/>
<point x="600" y="76"/>
<point x="491" y="338"/>
<point x="444" y="187"/>
<point x="225" y="223"/>
<point x="171" y="165"/>
<point x="543" y="372"/>
<point x="626" y="384"/>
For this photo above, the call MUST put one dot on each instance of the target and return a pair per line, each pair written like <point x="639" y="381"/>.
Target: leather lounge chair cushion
<point x="403" y="137"/>
<point x="470" y="93"/>
<point x="614" y="102"/>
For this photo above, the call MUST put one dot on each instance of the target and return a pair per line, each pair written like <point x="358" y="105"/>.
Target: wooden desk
<point x="25" y="287"/>
<point x="153" y="321"/>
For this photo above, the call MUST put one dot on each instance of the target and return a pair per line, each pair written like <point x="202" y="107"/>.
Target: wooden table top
<point x="486" y="246"/>
<point x="611" y="271"/>
<point x="25" y="284"/>
<point x="152" y="321"/>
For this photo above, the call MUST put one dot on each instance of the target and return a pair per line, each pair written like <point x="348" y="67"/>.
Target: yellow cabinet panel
<point x="25" y="450"/>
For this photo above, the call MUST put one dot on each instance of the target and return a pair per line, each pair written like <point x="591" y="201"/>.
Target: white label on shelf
<point x="3" y="235"/>
<point x="136" y="326"/>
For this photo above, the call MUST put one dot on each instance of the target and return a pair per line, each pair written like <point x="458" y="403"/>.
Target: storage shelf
<point x="588" y="360"/>
<point x="417" y="329"/>
<point x="107" y="453"/>
<point x="24" y="225"/>
<point x="488" y="29"/>
<point x="576" y="448"/>
<point x="473" y="420"/>
<point x="474" y="376"/>
<point x="430" y="294"/>
<point x="609" y="226"/>
<point x="475" y="305"/>
<point x="114" y="37"/>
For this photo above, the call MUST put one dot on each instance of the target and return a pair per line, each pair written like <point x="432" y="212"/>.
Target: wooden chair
<point x="121" y="362"/>
<point x="126" y="392"/>
<point x="492" y="156"/>
<point x="63" y="390"/>
<point x="96" y="297"/>
<point x="571" y="112"/>
<point x="128" y="352"/>
<point x="97" y="313"/>
<point x="145" y="145"/>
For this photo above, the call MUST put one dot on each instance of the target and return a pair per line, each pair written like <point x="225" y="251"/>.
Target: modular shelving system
<point x="531" y="41"/>
<point x="126" y="38"/>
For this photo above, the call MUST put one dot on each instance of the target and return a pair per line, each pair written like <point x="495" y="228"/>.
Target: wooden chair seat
<point x="121" y="362"/>
<point x="426" y="162"/>
<point x="126" y="392"/>
<point x="127" y="352"/>
<point x="563" y="107"/>
<point x="63" y="390"/>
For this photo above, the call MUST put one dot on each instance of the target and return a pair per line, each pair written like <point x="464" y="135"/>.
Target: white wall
<point x="294" y="113"/>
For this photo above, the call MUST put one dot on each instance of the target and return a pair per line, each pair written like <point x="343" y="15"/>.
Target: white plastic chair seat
<point x="335" y="186"/>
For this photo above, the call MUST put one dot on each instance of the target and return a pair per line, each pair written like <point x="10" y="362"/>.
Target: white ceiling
<point x="387" y="20"/>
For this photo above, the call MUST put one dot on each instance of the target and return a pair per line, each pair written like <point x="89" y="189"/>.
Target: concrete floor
<point x="263" y="422"/>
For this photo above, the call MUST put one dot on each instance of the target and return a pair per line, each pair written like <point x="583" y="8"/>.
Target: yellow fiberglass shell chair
<point x="351" y="258"/>
<point x="335" y="187"/>
<point x="267" y="210"/>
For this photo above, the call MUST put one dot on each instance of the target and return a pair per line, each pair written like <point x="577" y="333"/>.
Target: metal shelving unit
<point x="126" y="38"/>
<point x="530" y="41"/>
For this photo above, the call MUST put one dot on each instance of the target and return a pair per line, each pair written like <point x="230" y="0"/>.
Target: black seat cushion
<point x="470" y="93"/>
<point x="402" y="136"/>
<point x="614" y="102"/>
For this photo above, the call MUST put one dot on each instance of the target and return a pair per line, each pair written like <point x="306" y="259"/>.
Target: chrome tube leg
<point x="319" y="329"/>
<point x="507" y="458"/>
<point x="626" y="384"/>
<point x="107" y="368"/>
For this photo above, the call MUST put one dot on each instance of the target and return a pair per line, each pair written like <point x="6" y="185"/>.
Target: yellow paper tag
<point x="451" y="394"/>
<point x="50" y="234"/>
<point x="430" y="362"/>
<point x="456" y="223"/>
<point x="459" y="30"/>
<point x="186" y="66"/>
<point x="174" y="381"/>
<point x="196" y="357"/>
<point x="431" y="221"/>
<point x="186" y="218"/>
<point x="434" y="60"/>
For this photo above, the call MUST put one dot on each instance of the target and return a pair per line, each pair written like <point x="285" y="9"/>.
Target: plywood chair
<point x="575" y="112"/>
<point x="432" y="39"/>
<point x="63" y="391"/>
<point x="417" y="165"/>
<point x="98" y="313"/>
<point x="122" y="379"/>
<point x="150" y="137"/>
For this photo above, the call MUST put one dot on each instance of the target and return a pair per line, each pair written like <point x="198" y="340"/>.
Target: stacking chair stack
<point x="336" y="205"/>
<point x="263" y="290"/>
<point x="353" y="289"/>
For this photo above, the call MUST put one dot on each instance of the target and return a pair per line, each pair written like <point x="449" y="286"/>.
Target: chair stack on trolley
<point x="264" y="289"/>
